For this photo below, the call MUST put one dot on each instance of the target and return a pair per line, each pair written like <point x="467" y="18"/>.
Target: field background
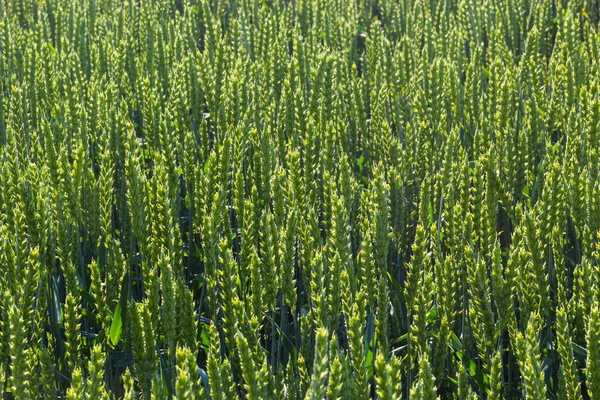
<point x="258" y="199"/>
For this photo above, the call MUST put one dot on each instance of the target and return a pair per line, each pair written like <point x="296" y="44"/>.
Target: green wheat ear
<point x="568" y="375"/>
<point x="496" y="388"/>
<point x="593" y="370"/>
<point x="186" y="385"/>
<point x="21" y="379"/>
<point x="424" y="388"/>
<point x="77" y="388"/>
<point x="96" y="386"/>
<point x="128" y="386"/>
<point x="320" y="373"/>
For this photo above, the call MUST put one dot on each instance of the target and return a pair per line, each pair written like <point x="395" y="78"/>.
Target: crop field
<point x="300" y="199"/>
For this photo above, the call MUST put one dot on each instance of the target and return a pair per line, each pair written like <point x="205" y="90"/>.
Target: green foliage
<point x="210" y="199"/>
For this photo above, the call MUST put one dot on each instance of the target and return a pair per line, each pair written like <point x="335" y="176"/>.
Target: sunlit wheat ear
<point x="496" y="389"/>
<point x="424" y="388"/>
<point x="218" y="369"/>
<point x="570" y="386"/>
<point x="77" y="388"/>
<point x="528" y="353"/>
<point x="593" y="370"/>
<point x="186" y="384"/>
<point x="96" y="386"/>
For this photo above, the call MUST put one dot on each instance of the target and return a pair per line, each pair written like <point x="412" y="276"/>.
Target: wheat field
<point x="300" y="199"/>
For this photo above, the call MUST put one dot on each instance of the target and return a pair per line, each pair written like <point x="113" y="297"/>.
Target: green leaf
<point x="580" y="353"/>
<point x="456" y="343"/>
<point x="55" y="313"/>
<point x="204" y="337"/>
<point x="198" y="281"/>
<point x="55" y="302"/>
<point x="399" y="340"/>
<point x="473" y="370"/>
<point x="470" y="365"/>
<point x="430" y="213"/>
<point x="360" y="162"/>
<point x="118" y="320"/>
<point x="369" y="344"/>
<point x="289" y="346"/>
<point x="432" y="315"/>
<point x="165" y="376"/>
<point x="116" y="327"/>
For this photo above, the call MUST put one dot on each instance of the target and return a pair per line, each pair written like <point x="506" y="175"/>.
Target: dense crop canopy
<point x="300" y="199"/>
